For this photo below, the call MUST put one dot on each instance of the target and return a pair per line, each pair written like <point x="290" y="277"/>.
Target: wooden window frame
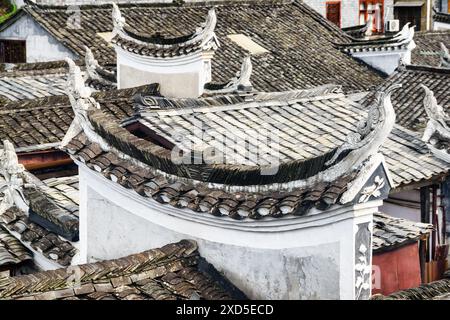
<point x="367" y="2"/>
<point x="340" y="10"/>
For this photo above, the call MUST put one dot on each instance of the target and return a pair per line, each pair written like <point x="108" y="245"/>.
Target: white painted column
<point x="82" y="256"/>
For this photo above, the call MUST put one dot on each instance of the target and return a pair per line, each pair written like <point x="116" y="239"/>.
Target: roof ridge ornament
<point x="206" y="33"/>
<point x="93" y="69"/>
<point x="372" y="131"/>
<point x="80" y="99"/>
<point x="437" y="123"/>
<point x="445" y="56"/>
<point x="118" y="20"/>
<point x="11" y="171"/>
<point x="406" y="35"/>
<point x="204" y="36"/>
<point x="369" y="27"/>
<point x="242" y="79"/>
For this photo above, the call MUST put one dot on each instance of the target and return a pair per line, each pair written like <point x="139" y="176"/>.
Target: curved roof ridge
<point x="326" y="167"/>
<point x="203" y="38"/>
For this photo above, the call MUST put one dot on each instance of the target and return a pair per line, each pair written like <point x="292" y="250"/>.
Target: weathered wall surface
<point x="311" y="257"/>
<point x="293" y="273"/>
<point x="40" y="45"/>
<point x="438" y="26"/>
<point x="397" y="270"/>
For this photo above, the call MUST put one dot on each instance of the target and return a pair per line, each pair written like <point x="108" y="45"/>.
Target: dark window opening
<point x="408" y="14"/>
<point x="334" y="12"/>
<point x="13" y="51"/>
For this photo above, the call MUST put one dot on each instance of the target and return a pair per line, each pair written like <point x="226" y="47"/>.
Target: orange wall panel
<point x="398" y="269"/>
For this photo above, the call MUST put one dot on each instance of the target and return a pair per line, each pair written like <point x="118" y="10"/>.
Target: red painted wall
<point x="396" y="270"/>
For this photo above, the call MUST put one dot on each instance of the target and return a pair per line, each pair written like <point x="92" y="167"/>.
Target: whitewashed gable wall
<point x="41" y="46"/>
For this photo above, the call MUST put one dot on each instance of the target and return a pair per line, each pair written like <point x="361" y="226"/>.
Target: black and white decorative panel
<point x="363" y="261"/>
<point x="377" y="187"/>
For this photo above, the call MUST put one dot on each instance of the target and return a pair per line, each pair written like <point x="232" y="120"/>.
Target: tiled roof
<point x="302" y="43"/>
<point x="38" y="122"/>
<point x="200" y="198"/>
<point x="305" y="128"/>
<point x="409" y="159"/>
<point x="38" y="200"/>
<point x="356" y="31"/>
<point x="408" y="102"/>
<point x="46" y="243"/>
<point x="46" y="120"/>
<point x="390" y="233"/>
<point x="54" y="204"/>
<point x="159" y="46"/>
<point x="402" y="145"/>
<point x="12" y="251"/>
<point x="437" y="290"/>
<point x="259" y="202"/>
<point x="400" y="40"/>
<point x="20" y="88"/>
<point x="428" y="47"/>
<point x="175" y="271"/>
<point x="28" y="81"/>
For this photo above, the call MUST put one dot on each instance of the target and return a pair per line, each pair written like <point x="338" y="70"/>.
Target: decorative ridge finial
<point x="445" y="56"/>
<point x="94" y="70"/>
<point x="118" y="20"/>
<point x="75" y="82"/>
<point x="369" y="27"/>
<point x="11" y="171"/>
<point x="438" y="118"/>
<point x="82" y="102"/>
<point x="91" y="63"/>
<point x="406" y="35"/>
<point x="242" y="79"/>
<point x="206" y="32"/>
<point x="372" y="131"/>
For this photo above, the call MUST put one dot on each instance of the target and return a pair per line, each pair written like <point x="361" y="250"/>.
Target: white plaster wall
<point x="384" y="61"/>
<point x="291" y="258"/>
<point x="40" y="45"/>
<point x="441" y="26"/>
<point x="404" y="212"/>
<point x="180" y="77"/>
<point x="295" y="273"/>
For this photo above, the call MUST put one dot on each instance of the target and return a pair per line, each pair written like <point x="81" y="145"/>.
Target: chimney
<point x="182" y="66"/>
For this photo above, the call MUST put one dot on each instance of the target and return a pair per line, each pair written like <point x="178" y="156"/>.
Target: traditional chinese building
<point x="52" y="33"/>
<point x="298" y="188"/>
